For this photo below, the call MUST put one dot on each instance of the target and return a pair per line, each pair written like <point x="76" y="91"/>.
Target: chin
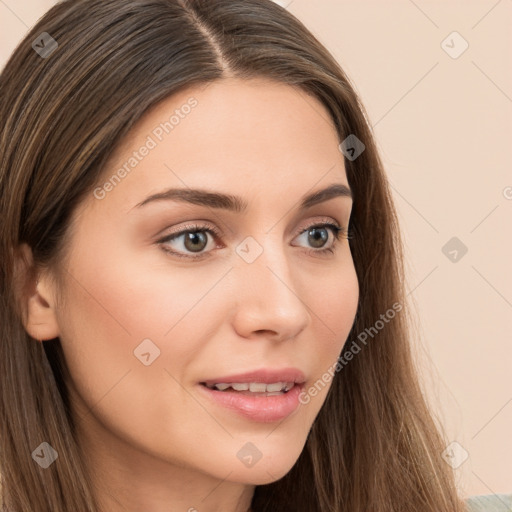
<point x="266" y="470"/>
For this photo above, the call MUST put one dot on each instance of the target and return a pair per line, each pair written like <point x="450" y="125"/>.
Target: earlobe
<point x="36" y="298"/>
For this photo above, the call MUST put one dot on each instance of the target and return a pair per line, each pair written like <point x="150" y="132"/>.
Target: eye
<point x="318" y="236"/>
<point x="195" y="239"/>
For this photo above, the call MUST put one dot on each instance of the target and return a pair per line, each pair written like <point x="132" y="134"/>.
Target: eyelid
<point x="196" y="225"/>
<point x="324" y="220"/>
<point x="204" y="224"/>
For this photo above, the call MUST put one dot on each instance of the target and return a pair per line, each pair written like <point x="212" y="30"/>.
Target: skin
<point x="153" y="441"/>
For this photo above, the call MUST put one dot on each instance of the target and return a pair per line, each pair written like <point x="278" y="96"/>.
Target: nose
<point x="267" y="298"/>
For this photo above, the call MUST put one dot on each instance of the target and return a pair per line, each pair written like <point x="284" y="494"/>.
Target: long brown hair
<point x="375" y="446"/>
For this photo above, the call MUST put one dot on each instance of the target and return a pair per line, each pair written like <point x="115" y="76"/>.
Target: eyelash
<point x="338" y="232"/>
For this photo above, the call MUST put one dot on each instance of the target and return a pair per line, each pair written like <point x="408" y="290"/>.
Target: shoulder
<point x="489" y="503"/>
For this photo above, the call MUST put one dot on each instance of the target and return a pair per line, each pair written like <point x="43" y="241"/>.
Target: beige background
<point x="444" y="129"/>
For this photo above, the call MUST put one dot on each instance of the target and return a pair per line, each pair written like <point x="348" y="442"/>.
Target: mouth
<point x="261" y="396"/>
<point x="252" y="388"/>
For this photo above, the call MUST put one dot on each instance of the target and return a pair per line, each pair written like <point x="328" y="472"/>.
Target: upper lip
<point x="265" y="375"/>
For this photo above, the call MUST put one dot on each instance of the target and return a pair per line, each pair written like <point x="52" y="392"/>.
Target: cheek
<point x="110" y="309"/>
<point x="333" y="312"/>
<point x="335" y="307"/>
<point x="117" y="302"/>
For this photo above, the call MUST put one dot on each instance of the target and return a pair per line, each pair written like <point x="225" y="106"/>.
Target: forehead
<point x="245" y="137"/>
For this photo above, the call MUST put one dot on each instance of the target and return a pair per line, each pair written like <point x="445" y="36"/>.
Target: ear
<point x="36" y="296"/>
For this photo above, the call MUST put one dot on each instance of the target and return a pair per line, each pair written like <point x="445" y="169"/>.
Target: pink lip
<point x="264" y="409"/>
<point x="264" y="375"/>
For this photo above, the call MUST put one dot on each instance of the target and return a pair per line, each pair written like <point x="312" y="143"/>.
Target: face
<point x="166" y="293"/>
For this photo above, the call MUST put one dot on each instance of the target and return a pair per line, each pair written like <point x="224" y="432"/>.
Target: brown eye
<point x="195" y="241"/>
<point x="318" y="236"/>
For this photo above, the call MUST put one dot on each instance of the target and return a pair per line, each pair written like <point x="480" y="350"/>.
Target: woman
<point x="140" y="372"/>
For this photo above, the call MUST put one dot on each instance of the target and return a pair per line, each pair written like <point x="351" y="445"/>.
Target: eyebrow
<point x="237" y="204"/>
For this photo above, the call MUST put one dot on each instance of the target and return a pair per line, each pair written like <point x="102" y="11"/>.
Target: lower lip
<point x="265" y="409"/>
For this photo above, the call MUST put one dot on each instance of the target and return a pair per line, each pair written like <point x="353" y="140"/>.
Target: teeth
<point x="278" y="386"/>
<point x="222" y="386"/>
<point x="254" y="387"/>
<point x="240" y="387"/>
